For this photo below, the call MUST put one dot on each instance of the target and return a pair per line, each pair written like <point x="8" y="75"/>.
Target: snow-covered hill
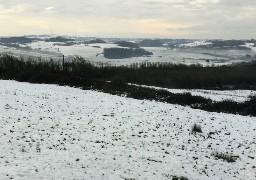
<point x="52" y="132"/>
<point x="187" y="52"/>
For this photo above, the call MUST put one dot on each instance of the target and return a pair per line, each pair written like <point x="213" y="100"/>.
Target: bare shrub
<point x="196" y="128"/>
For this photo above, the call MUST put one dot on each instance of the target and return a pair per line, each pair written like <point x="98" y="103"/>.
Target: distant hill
<point x="127" y="44"/>
<point x="59" y="39"/>
<point x="14" y="40"/>
<point x="226" y="44"/>
<point x="151" y="43"/>
<point x="95" y="41"/>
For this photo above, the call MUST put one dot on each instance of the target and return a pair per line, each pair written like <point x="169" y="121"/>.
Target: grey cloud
<point x="237" y="3"/>
<point x="209" y="16"/>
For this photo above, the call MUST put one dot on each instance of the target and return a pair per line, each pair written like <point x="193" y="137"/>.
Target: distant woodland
<point x="121" y="53"/>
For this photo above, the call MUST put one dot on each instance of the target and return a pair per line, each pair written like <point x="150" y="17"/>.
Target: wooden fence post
<point x="63" y="63"/>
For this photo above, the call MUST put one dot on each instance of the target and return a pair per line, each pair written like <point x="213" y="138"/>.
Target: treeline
<point x="168" y="75"/>
<point x="95" y="41"/>
<point x="151" y="43"/>
<point x="225" y="43"/>
<point x="80" y="73"/>
<point x="127" y="44"/>
<point x="121" y="53"/>
<point x="59" y="39"/>
<point x="235" y="76"/>
<point x="15" y="40"/>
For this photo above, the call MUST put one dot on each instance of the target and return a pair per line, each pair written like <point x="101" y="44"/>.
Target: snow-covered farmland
<point x="195" y="44"/>
<point x="52" y="132"/>
<point x="94" y="53"/>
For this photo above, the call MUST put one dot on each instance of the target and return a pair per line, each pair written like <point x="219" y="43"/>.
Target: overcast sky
<point x="226" y="19"/>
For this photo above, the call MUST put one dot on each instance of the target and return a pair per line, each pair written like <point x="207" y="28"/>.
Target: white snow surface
<point x="251" y="45"/>
<point x="196" y="43"/>
<point x="53" y="132"/>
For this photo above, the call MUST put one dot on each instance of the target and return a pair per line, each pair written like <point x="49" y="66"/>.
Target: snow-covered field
<point x="196" y="43"/>
<point x="52" y="132"/>
<point x="93" y="52"/>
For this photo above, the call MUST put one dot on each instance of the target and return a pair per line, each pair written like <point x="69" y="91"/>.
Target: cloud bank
<point x="130" y="18"/>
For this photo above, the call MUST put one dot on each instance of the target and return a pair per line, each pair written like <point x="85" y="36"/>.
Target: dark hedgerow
<point x="114" y="80"/>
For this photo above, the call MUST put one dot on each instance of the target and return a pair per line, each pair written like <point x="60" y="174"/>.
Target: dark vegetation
<point x="59" y="39"/>
<point x="179" y="178"/>
<point x="196" y="128"/>
<point x="127" y="44"/>
<point x="69" y="43"/>
<point x="121" y="53"/>
<point x="224" y="156"/>
<point x="18" y="46"/>
<point x="151" y="43"/>
<point x="251" y="41"/>
<point x="173" y="177"/>
<point x="230" y="43"/>
<point x="95" y="41"/>
<point x="14" y="40"/>
<point x="226" y="44"/>
<point x="217" y="44"/>
<point x="80" y="73"/>
<point x="238" y="76"/>
<point x="171" y="43"/>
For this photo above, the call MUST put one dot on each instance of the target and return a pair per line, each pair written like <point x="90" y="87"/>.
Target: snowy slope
<point x="52" y="132"/>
